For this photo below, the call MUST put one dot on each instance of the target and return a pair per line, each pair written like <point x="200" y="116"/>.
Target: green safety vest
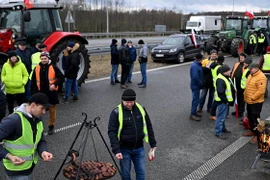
<point x="120" y="119"/>
<point x="261" y="39"/>
<point x="24" y="147"/>
<point x="244" y="79"/>
<point x="228" y="91"/>
<point x="214" y="74"/>
<point x="35" y="58"/>
<point x="266" y="63"/>
<point x="252" y="38"/>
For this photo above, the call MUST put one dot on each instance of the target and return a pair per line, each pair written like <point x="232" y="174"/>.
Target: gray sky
<point x="188" y="6"/>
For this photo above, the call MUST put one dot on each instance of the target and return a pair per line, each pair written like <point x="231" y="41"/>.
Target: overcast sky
<point x="188" y="6"/>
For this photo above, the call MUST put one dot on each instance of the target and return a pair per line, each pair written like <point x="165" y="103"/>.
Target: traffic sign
<point x="69" y="18"/>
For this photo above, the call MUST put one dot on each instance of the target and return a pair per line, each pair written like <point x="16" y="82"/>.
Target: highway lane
<point x="183" y="145"/>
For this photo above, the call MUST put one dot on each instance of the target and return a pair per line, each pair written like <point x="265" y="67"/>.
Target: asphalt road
<point x="185" y="149"/>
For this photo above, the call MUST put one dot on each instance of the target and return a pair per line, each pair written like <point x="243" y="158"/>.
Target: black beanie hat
<point x="140" y="41"/>
<point x="129" y="95"/>
<point x="199" y="57"/>
<point x="220" y="58"/>
<point x="114" y="41"/>
<point x="225" y="68"/>
<point x="11" y="54"/>
<point x="123" y="41"/>
<point x="248" y="60"/>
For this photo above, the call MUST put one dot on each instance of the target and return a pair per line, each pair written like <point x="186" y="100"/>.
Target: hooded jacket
<point x="114" y="54"/>
<point x="14" y="77"/>
<point x="196" y="76"/>
<point x="72" y="62"/>
<point x="11" y="129"/>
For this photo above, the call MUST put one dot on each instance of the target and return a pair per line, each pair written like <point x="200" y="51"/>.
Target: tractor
<point x="39" y="22"/>
<point x="260" y="24"/>
<point x="233" y="26"/>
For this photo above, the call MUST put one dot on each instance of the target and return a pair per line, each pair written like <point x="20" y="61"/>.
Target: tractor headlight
<point x="173" y="50"/>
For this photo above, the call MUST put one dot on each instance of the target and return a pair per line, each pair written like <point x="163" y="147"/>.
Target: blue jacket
<point x="196" y="76"/>
<point x="132" y="53"/>
<point x="26" y="59"/>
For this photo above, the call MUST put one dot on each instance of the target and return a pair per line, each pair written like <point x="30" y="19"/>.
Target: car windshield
<point x="10" y="19"/>
<point x="192" y="24"/>
<point x="233" y="24"/>
<point x="262" y="23"/>
<point x="174" y="40"/>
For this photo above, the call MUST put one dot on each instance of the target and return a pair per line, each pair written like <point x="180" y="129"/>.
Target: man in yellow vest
<point x="252" y="42"/>
<point x="261" y="41"/>
<point x="265" y="66"/>
<point x="19" y="152"/>
<point x="46" y="79"/>
<point x="129" y="126"/>
<point x="224" y="97"/>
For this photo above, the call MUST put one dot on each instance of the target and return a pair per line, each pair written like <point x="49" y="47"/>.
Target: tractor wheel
<point x="211" y="43"/>
<point x="57" y="54"/>
<point x="237" y="47"/>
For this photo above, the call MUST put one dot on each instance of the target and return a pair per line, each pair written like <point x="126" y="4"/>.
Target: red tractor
<point x="39" y="22"/>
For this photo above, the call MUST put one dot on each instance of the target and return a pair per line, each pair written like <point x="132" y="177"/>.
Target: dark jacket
<point x="33" y="50"/>
<point x="72" y="62"/>
<point x="132" y="53"/>
<point x="123" y="55"/>
<point x="114" y="54"/>
<point x="221" y="89"/>
<point x="237" y="72"/>
<point x="26" y="59"/>
<point x="207" y="74"/>
<point x="3" y="104"/>
<point x="44" y="82"/>
<point x="196" y="76"/>
<point x="11" y="129"/>
<point x="132" y="133"/>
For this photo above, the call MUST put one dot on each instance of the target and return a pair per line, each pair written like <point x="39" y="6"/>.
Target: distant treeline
<point x="142" y="20"/>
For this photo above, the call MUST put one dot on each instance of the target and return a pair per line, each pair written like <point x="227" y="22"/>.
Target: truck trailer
<point x="204" y="23"/>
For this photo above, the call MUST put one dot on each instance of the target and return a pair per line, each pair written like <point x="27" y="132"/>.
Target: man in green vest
<point x="261" y="41"/>
<point x="252" y="43"/>
<point x="129" y="126"/>
<point x="22" y="137"/>
<point x="224" y="96"/>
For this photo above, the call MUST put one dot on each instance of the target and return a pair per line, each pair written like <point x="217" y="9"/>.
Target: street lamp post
<point x="107" y="9"/>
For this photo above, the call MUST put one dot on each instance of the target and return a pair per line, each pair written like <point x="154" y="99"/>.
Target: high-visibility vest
<point x="244" y="79"/>
<point x="235" y="67"/>
<point x="35" y="58"/>
<point x="252" y="39"/>
<point x="261" y="39"/>
<point x="266" y="63"/>
<point x="228" y="91"/>
<point x="120" y="119"/>
<point x="51" y="76"/>
<point x="214" y="74"/>
<point x="23" y="147"/>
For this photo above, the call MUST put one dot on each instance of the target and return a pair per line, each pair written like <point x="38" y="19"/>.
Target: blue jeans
<point x="222" y="112"/>
<point x="137" y="156"/>
<point x="19" y="177"/>
<point x="114" y="72"/>
<point x="195" y="100"/>
<point x="130" y="72"/>
<point x="210" y="97"/>
<point x="69" y="84"/>
<point x="28" y="89"/>
<point x="143" y="72"/>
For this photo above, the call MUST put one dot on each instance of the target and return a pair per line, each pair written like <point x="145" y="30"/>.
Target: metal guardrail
<point x="126" y="34"/>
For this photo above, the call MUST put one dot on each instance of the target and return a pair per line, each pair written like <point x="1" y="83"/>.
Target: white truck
<point x="204" y="23"/>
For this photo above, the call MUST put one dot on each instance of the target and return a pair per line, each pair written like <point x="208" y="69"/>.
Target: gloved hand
<point x="151" y="154"/>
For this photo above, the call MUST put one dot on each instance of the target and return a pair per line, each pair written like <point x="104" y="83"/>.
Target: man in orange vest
<point x="46" y="79"/>
<point x="237" y="73"/>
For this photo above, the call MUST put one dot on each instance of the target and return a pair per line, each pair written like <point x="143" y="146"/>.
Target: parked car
<point x="177" y="47"/>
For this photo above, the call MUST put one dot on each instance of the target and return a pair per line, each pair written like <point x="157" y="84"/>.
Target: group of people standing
<point x="126" y="55"/>
<point x="244" y="84"/>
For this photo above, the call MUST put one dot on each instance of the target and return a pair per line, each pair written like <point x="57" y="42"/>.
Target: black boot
<point x="50" y="131"/>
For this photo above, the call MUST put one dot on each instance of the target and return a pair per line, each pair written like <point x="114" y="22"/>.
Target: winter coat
<point x="196" y="76"/>
<point x="132" y="133"/>
<point x="44" y="82"/>
<point x="143" y="56"/>
<point x="123" y="55"/>
<point x="132" y="53"/>
<point x="237" y="72"/>
<point x="255" y="88"/>
<point x="14" y="78"/>
<point x="221" y="90"/>
<point x="72" y="62"/>
<point x="11" y="129"/>
<point x="207" y="74"/>
<point x="114" y="54"/>
<point x="26" y="59"/>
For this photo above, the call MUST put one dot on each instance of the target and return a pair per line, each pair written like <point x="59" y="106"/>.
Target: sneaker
<point x="221" y="136"/>
<point x="65" y="101"/>
<point x="198" y="115"/>
<point x="117" y="81"/>
<point x="213" y="118"/>
<point x="226" y="131"/>
<point x="249" y="133"/>
<point x="194" y="118"/>
<point x="75" y="98"/>
<point x="123" y="86"/>
<point x="129" y="81"/>
<point x="142" y="86"/>
<point x="50" y="131"/>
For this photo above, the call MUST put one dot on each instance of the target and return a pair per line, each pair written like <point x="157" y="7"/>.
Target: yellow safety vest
<point x="228" y="91"/>
<point x="252" y="39"/>
<point x="266" y="63"/>
<point x="120" y="119"/>
<point x="261" y="39"/>
<point x="24" y="147"/>
<point x="214" y="74"/>
<point x="244" y="79"/>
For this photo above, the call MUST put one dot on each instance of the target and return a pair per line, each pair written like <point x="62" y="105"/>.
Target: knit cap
<point x="129" y="95"/>
<point x="71" y="44"/>
<point x="140" y="41"/>
<point x="225" y="68"/>
<point x="254" y="65"/>
<point x="11" y="54"/>
<point x="248" y="60"/>
<point x="268" y="49"/>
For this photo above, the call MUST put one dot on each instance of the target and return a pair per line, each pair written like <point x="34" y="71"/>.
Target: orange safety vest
<point x="235" y="67"/>
<point x="51" y="76"/>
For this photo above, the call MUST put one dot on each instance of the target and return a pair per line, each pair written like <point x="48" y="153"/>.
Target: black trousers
<point x="240" y="101"/>
<point x="3" y="105"/>
<point x="261" y="48"/>
<point x="11" y="98"/>
<point x="124" y="73"/>
<point x="254" y="111"/>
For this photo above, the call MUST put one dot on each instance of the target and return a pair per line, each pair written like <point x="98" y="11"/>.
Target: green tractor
<point x="233" y="27"/>
<point x="240" y="44"/>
